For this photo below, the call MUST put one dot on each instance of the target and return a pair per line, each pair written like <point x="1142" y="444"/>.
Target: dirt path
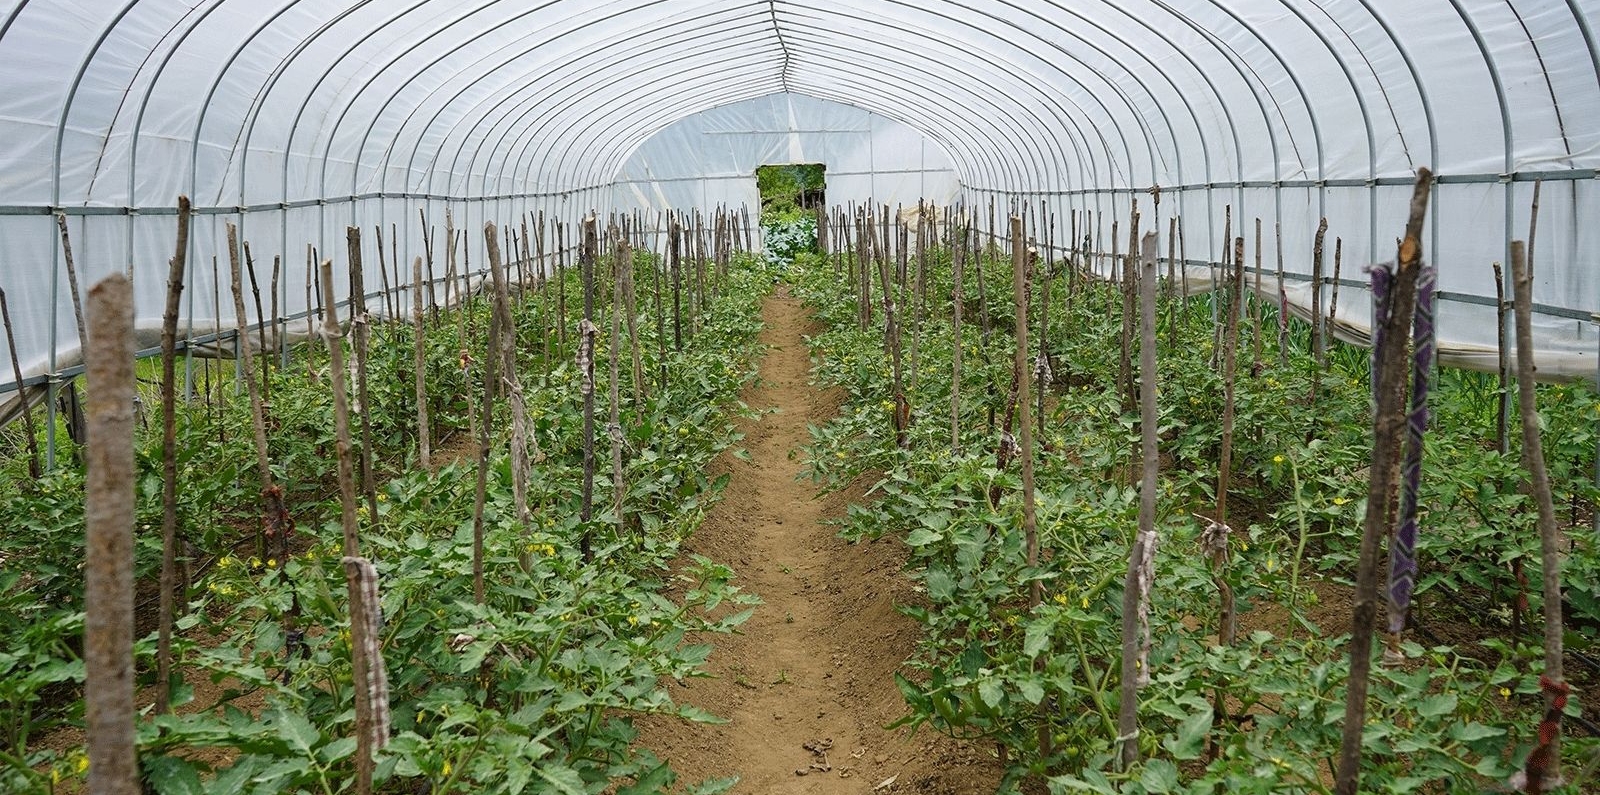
<point x="809" y="684"/>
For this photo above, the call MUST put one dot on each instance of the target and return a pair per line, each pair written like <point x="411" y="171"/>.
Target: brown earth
<point x="808" y="685"/>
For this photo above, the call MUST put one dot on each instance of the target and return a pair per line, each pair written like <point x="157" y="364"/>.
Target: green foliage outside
<point x="785" y="189"/>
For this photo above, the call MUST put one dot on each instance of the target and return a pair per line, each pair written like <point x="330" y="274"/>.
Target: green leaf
<point x="1438" y="705"/>
<point x="170" y="775"/>
<point x="1159" y="776"/>
<point x="1036" y="638"/>
<point x="1470" y="732"/>
<point x="1191" y="735"/>
<point x="922" y="537"/>
<point x="991" y="692"/>
<point x="297" y="731"/>
<point x="1031" y="690"/>
<point x="714" y="786"/>
<point x="563" y="778"/>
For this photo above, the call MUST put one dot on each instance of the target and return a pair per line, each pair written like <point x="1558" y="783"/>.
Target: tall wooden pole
<point x="109" y="517"/>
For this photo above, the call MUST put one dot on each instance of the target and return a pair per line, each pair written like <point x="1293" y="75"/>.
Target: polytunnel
<point x="1282" y="143"/>
<point x="295" y="120"/>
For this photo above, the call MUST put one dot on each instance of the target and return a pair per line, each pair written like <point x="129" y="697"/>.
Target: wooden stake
<point x="169" y="461"/>
<point x="587" y="332"/>
<point x="1544" y="764"/>
<point x="424" y="432"/>
<point x="352" y="547"/>
<point x="621" y="261"/>
<point x="361" y="330"/>
<point x="1019" y="285"/>
<point x="22" y="393"/>
<point x="1316" y="308"/>
<point x="1389" y="380"/>
<point x="72" y="278"/>
<point x="958" y="259"/>
<point x="109" y="517"/>
<point x="1136" y="589"/>
<point x="261" y="325"/>
<point x="258" y="419"/>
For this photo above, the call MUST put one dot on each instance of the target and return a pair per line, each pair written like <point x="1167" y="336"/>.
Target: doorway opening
<point x="792" y="197"/>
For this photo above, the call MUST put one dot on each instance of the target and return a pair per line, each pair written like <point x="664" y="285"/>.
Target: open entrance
<point x="792" y="195"/>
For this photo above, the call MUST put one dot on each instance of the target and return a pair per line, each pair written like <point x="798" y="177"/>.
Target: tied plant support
<point x="1403" y="550"/>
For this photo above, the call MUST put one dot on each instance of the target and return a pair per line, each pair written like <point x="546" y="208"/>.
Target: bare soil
<point x="808" y="686"/>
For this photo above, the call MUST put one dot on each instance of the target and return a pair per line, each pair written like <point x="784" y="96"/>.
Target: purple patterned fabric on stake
<point x="1382" y="277"/>
<point x="1403" y="547"/>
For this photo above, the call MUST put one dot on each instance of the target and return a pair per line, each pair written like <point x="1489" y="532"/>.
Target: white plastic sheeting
<point x="710" y="159"/>
<point x="295" y="118"/>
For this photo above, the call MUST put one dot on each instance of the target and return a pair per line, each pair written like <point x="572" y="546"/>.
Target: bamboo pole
<point x="359" y="643"/>
<point x="1544" y="764"/>
<point x="109" y="517"/>
<point x="1389" y="370"/>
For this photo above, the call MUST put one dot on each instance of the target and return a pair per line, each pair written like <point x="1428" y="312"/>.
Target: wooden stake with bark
<point x="109" y="517"/>
<point x="424" y="432"/>
<point x="383" y="275"/>
<point x="271" y="497"/>
<point x="891" y="344"/>
<point x="169" y="461"/>
<point x="1141" y="558"/>
<point x="72" y="278"/>
<point x="361" y="331"/>
<point x="1255" y="309"/>
<point x="521" y="461"/>
<point x="1020" y="255"/>
<point x="261" y="324"/>
<point x="22" y="394"/>
<point x="1543" y="771"/>
<point x="674" y="264"/>
<point x="1333" y="299"/>
<point x="621" y="262"/>
<point x="958" y="259"/>
<point x="587" y="333"/>
<point x="1316" y="308"/>
<point x="359" y="644"/>
<point x="1390" y="368"/>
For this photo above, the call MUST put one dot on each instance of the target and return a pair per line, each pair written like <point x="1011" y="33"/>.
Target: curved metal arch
<point x="1008" y="129"/>
<point x="624" y="139"/>
<point x="1002" y="110"/>
<point x="415" y="47"/>
<point x="988" y="155"/>
<point x="509" y="117"/>
<point x="612" y="56"/>
<point x="547" y="109"/>
<point x="1008" y="66"/>
<point x="1002" y="62"/>
<point x="1133" y="74"/>
<point x="609" y="52"/>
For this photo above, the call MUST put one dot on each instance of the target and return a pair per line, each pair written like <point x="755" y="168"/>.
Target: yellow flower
<point x="1060" y="599"/>
<point x="1505" y="692"/>
<point x="840" y="454"/>
<point x="83" y="765"/>
<point x="1271" y="564"/>
<point x="1085" y="602"/>
<point x="272" y="563"/>
<point x="1277" y="459"/>
<point x="1340" y="500"/>
<point x="633" y="620"/>
<point x="447" y="768"/>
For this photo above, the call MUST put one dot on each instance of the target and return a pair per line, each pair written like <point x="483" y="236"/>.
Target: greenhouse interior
<point x="799" y="396"/>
